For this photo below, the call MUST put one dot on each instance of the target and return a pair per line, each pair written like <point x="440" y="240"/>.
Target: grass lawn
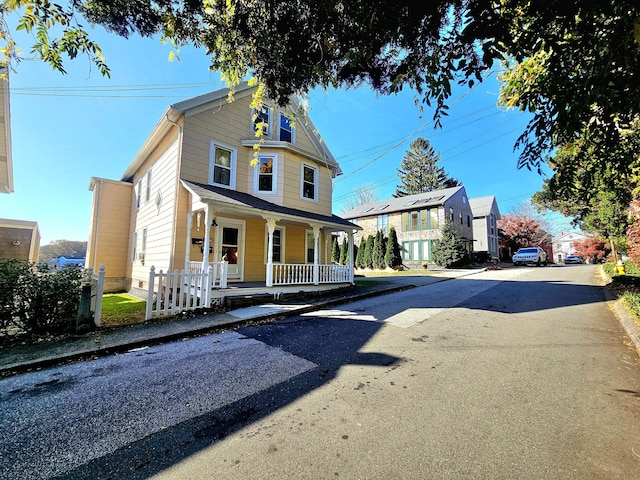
<point x="122" y="309"/>
<point x="626" y="287"/>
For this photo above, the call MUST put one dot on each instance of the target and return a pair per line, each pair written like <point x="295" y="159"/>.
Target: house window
<point x="468" y="221"/>
<point x="266" y="174"/>
<point x="460" y="216"/>
<point x="147" y="195"/>
<point x="144" y="241"/>
<point x="451" y="214"/>
<point x="277" y="245"/>
<point x="261" y="120"/>
<point x="433" y="218"/>
<point x="310" y="247"/>
<point x="286" y="129"/>
<point x="222" y="165"/>
<point x="383" y="223"/>
<point x="135" y="246"/>
<point x="309" y="182"/>
<point x="417" y="250"/>
<point x="138" y="193"/>
<point x="420" y="220"/>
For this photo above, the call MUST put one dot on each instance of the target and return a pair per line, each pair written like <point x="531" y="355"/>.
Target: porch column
<point x="351" y="259"/>
<point x="207" y="238"/>
<point x="271" y="226"/>
<point x="316" y="254"/>
<point x="187" y="253"/>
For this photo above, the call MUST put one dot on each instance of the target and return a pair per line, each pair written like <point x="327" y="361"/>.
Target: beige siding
<point x="158" y="220"/>
<point x="292" y="172"/>
<point x="109" y="235"/>
<point x="255" y="238"/>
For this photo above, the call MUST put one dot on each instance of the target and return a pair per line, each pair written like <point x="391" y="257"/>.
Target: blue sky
<point x="68" y="128"/>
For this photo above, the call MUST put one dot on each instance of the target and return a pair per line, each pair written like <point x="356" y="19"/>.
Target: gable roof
<point x="481" y="206"/>
<point x="237" y="201"/>
<point x="215" y="100"/>
<point x="401" y="204"/>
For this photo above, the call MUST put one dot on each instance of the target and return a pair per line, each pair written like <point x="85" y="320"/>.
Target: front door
<point x="231" y="241"/>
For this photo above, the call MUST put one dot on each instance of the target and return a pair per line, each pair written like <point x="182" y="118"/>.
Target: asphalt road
<point x="520" y="373"/>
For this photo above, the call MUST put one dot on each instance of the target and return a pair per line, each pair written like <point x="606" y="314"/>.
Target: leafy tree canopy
<point x="419" y="171"/>
<point x="571" y="63"/>
<point x="67" y="248"/>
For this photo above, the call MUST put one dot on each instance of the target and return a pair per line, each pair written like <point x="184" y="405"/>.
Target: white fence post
<point x="99" y="292"/>
<point x="149" y="312"/>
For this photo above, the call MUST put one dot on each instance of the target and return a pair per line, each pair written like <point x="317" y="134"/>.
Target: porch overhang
<point x="230" y="202"/>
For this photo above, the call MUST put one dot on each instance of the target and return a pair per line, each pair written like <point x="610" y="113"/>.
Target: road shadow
<point x="330" y="344"/>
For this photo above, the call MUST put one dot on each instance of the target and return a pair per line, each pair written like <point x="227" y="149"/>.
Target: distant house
<point x="62" y="261"/>
<point x="19" y="239"/>
<point x="191" y="198"/>
<point x="6" y="162"/>
<point x="563" y="245"/>
<point x="417" y="219"/>
<point x="485" y="227"/>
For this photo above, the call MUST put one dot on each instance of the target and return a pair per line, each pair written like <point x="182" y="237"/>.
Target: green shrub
<point x="34" y="301"/>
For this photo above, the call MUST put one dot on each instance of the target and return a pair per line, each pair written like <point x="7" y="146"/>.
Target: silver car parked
<point x="530" y="255"/>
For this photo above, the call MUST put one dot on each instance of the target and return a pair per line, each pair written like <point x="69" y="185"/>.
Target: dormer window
<point x="262" y="120"/>
<point x="286" y="129"/>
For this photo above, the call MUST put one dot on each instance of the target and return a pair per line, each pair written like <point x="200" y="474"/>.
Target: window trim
<point x="254" y="120"/>
<point x="138" y="193"/>
<point x="232" y="167"/>
<point x="292" y="130"/>
<point x="283" y="232"/>
<point x="147" y="194"/>
<point x="274" y="175"/>
<point x="316" y="175"/>
<point x="307" y="234"/>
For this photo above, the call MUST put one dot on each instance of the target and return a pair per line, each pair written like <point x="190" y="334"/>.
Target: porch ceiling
<point x="232" y="202"/>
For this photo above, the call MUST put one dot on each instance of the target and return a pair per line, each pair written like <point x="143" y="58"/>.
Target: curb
<point x="621" y="312"/>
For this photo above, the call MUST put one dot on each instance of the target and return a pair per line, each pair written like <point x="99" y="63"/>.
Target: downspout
<point x="175" y="195"/>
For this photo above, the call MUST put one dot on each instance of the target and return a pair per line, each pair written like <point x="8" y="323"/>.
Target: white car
<point x="530" y="255"/>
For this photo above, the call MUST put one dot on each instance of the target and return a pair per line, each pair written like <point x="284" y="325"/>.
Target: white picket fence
<point x="97" y="291"/>
<point x="174" y="292"/>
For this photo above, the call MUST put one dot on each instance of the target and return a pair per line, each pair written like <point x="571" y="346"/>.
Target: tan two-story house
<point x="418" y="220"/>
<point x="194" y="196"/>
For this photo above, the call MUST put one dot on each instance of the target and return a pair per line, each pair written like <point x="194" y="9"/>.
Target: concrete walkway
<point x="105" y="341"/>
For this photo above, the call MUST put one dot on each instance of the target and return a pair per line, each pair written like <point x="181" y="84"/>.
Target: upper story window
<point x="383" y="223"/>
<point x="265" y="180"/>
<point x="262" y="120"/>
<point x="460" y="216"/>
<point x="138" y="193"/>
<point x="451" y="214"/>
<point x="222" y="165"/>
<point x="286" y="129"/>
<point x="147" y="195"/>
<point x="309" y="186"/>
<point x="420" y="220"/>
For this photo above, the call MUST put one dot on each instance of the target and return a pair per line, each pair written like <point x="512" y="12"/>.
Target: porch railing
<point x="219" y="269"/>
<point x="303" y="274"/>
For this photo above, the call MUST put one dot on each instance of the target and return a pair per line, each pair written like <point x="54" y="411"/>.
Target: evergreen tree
<point x="449" y="251"/>
<point x="335" y="251"/>
<point x="419" y="171"/>
<point x="360" y="255"/>
<point x="392" y="257"/>
<point x="367" y="257"/>
<point x="343" y="252"/>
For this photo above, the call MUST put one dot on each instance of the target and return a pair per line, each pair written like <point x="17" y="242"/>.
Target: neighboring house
<point x="485" y="227"/>
<point x="6" y="165"/>
<point x="563" y="245"/>
<point x="19" y="240"/>
<point x="62" y="261"/>
<point x="417" y="219"/>
<point x="191" y="196"/>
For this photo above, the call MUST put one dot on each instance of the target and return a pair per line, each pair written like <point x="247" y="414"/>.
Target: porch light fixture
<point x="214" y="223"/>
<point x="16" y="243"/>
